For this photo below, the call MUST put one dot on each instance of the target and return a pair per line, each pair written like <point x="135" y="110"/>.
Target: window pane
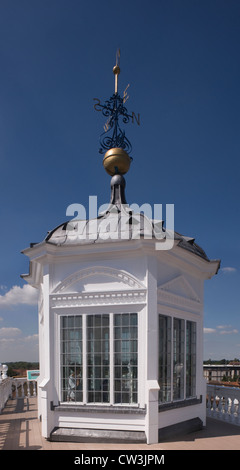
<point x="165" y="337"/>
<point x="190" y="359"/>
<point x="71" y="358"/>
<point x="98" y="358"/>
<point x="178" y="359"/>
<point x="125" y="358"/>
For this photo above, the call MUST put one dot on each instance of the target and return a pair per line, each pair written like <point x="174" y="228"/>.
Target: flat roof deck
<point x="20" y="429"/>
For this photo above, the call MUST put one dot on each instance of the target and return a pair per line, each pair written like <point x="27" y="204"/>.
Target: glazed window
<point x="125" y="358"/>
<point x="71" y="358"/>
<point x="177" y="359"/>
<point x="190" y="359"/>
<point x="91" y="346"/>
<point x="165" y="358"/>
<point x="98" y="358"/>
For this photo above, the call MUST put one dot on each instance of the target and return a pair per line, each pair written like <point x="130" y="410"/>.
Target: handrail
<point x="223" y="403"/>
<point x="5" y="392"/>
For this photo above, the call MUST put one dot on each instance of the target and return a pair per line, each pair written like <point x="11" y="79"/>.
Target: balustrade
<point x="14" y="387"/>
<point x="5" y="392"/>
<point x="223" y="403"/>
<point x="21" y="387"/>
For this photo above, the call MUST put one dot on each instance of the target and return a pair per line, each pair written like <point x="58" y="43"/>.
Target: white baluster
<point x="211" y="398"/>
<point x="225" y="408"/>
<point x="34" y="389"/>
<point x="208" y="405"/>
<point x="229" y="404"/>
<point x="220" y="408"/>
<point x="232" y="409"/>
<point x="214" y="407"/>
<point x="16" y="388"/>
<point x="28" y="388"/>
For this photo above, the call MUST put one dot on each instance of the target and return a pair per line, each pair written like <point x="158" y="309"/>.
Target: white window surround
<point x="85" y="311"/>
<point x="130" y="297"/>
<point x="111" y="310"/>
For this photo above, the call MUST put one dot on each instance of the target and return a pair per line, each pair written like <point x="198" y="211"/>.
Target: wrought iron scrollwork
<point x="113" y="136"/>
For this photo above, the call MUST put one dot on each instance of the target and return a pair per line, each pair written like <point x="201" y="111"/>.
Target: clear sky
<point x="181" y="59"/>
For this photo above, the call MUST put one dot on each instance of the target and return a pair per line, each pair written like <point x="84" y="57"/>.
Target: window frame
<point x="185" y="396"/>
<point x="84" y="315"/>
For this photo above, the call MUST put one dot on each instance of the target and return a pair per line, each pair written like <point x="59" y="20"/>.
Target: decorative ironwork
<point x="113" y="136"/>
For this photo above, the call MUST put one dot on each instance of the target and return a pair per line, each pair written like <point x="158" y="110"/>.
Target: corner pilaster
<point x="152" y="353"/>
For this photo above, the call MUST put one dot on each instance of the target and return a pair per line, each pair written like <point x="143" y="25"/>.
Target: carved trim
<point x="166" y="296"/>
<point x="180" y="280"/>
<point x="121" y="276"/>
<point x="177" y="301"/>
<point x="98" y="298"/>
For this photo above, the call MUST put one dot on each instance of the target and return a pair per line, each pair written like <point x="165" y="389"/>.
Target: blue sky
<point x="181" y="59"/>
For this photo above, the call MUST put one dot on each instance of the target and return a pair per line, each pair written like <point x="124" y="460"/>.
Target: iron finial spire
<point x="114" y="109"/>
<point x="113" y="141"/>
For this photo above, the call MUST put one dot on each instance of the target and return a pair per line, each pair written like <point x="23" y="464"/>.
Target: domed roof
<point x="117" y="223"/>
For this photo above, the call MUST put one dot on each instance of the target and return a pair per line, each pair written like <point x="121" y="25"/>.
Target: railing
<point x="21" y="387"/>
<point x="223" y="403"/>
<point x="14" y="387"/>
<point x="5" y="392"/>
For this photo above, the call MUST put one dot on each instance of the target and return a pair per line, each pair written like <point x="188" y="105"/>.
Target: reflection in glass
<point x="125" y="358"/>
<point x="98" y="358"/>
<point x="178" y="359"/>
<point x="165" y="338"/>
<point x="71" y="358"/>
<point x="190" y="359"/>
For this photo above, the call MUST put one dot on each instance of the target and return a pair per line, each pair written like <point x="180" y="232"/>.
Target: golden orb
<point x="116" y="161"/>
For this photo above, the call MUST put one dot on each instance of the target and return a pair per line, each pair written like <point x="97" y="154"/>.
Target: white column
<point x="152" y="353"/>
<point x="46" y="347"/>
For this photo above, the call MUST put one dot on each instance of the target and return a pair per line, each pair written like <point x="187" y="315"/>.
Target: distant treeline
<point x="17" y="368"/>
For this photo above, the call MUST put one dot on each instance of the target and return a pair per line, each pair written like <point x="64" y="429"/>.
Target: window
<point x="165" y="361"/>
<point x="177" y="359"/>
<point x="71" y="358"/>
<point x="125" y="358"/>
<point x="86" y="362"/>
<point x="98" y="358"/>
<point x="190" y="359"/>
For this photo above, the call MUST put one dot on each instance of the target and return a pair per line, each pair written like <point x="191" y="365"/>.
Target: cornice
<point x="98" y="298"/>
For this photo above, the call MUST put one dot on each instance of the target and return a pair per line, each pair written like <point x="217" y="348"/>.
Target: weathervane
<point x="113" y="140"/>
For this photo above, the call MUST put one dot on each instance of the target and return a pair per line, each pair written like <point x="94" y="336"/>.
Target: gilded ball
<point x="116" y="161"/>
